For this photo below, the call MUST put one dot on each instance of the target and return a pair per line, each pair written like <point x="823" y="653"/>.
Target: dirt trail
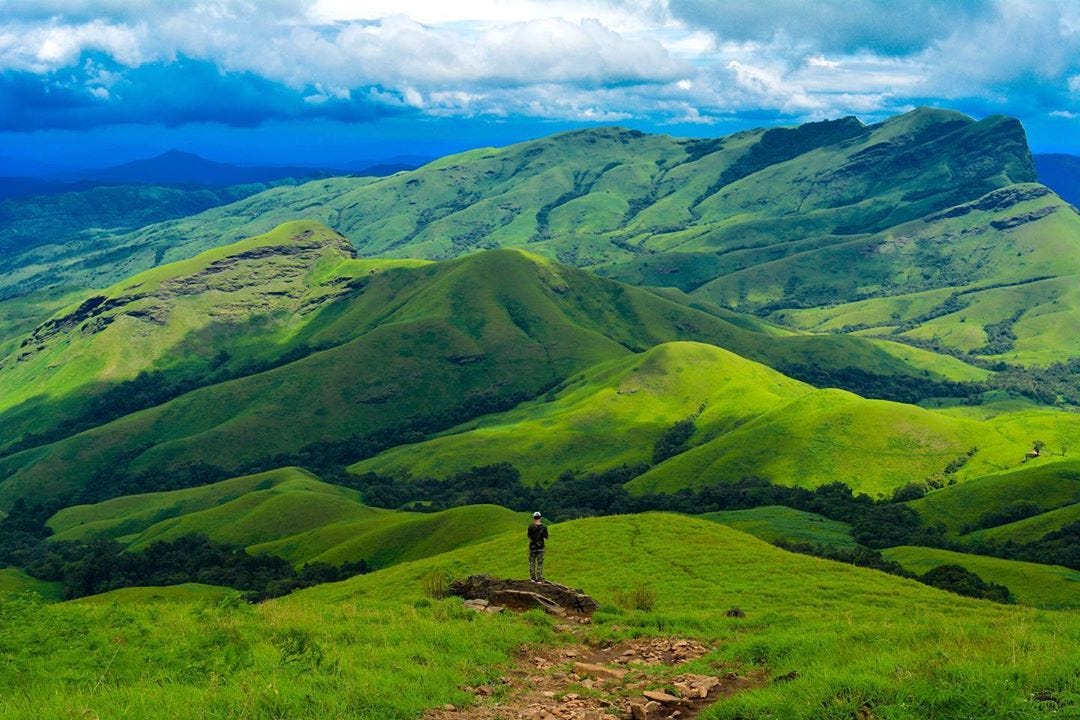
<point x="630" y="679"/>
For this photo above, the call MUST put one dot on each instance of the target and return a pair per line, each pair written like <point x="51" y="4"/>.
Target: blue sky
<point x="94" y="82"/>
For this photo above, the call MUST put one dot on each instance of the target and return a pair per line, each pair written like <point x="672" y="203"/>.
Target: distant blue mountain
<point x="181" y="168"/>
<point x="1061" y="173"/>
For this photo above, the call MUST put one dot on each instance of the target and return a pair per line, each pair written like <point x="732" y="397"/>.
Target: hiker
<point x="538" y="533"/>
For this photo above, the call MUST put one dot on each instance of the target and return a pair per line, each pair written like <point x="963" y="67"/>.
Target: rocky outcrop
<point x="524" y="595"/>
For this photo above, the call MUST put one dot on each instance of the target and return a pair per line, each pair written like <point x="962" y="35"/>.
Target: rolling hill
<point x="1049" y="485"/>
<point x="872" y="446"/>
<point x="1046" y="586"/>
<point x="748" y="421"/>
<point x="289" y="513"/>
<point x="283" y="341"/>
<point x="927" y="228"/>
<point x="610" y="415"/>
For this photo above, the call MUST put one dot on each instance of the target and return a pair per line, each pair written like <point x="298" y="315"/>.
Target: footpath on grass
<point x="580" y="679"/>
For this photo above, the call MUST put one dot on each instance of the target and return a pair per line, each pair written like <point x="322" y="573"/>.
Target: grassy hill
<point x="1046" y="586"/>
<point x="375" y="647"/>
<point x="775" y="522"/>
<point x="612" y="414"/>
<point x="16" y="581"/>
<point x="203" y="316"/>
<point x="289" y="513"/>
<point x="1032" y="528"/>
<point x="829" y="225"/>
<point x="748" y="420"/>
<point x="185" y="593"/>
<point x="1048" y="483"/>
<point x="872" y="446"/>
<point x="282" y="342"/>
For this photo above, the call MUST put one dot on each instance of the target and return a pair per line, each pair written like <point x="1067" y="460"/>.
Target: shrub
<point x="640" y="597"/>
<point x="436" y="584"/>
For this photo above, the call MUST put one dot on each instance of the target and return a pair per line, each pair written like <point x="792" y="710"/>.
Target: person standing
<point x="538" y="534"/>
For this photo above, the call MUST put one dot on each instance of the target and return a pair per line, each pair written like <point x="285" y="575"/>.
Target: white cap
<point x="536" y="514"/>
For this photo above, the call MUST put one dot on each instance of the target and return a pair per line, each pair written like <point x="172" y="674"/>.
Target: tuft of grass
<point x="637" y="597"/>
<point x="436" y="584"/>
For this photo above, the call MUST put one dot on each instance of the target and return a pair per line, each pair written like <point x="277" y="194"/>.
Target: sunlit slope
<point x="1030" y="529"/>
<point x="240" y="511"/>
<point x="1047" y="482"/>
<point x="776" y="522"/>
<point x="185" y="594"/>
<point x="379" y="344"/>
<point x="1008" y="259"/>
<point x="806" y="620"/>
<point x="289" y="513"/>
<point x="872" y="446"/>
<point x="375" y="647"/>
<point x="611" y="415"/>
<point x="208" y="315"/>
<point x="1048" y="586"/>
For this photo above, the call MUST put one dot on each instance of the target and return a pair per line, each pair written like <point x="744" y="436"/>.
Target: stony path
<point x="628" y="680"/>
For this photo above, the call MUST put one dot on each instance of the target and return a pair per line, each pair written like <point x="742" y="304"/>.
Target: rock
<point x="661" y="697"/>
<point x="524" y="594"/>
<point x="735" y="613"/>
<point x="448" y="707"/>
<point x="484" y="690"/>
<point x="637" y="712"/>
<point x="652" y="709"/>
<point x="598" y="671"/>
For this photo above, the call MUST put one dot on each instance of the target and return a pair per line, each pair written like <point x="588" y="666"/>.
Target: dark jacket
<point x="537" y="535"/>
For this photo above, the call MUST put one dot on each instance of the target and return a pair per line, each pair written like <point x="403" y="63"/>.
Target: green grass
<point x="872" y="446"/>
<point x="195" y="593"/>
<point x="1047" y="482"/>
<point x="1045" y="586"/>
<point x="13" y="580"/>
<point x="505" y="324"/>
<point x="375" y="647"/>
<point x="289" y="513"/>
<point x="611" y="415"/>
<point x="776" y="522"/>
<point x="1030" y="529"/>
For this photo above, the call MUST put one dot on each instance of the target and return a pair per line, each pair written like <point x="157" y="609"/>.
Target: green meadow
<point x="1045" y="586"/>
<point x="776" y="522"/>
<point x="376" y="647"/>
<point x="288" y="513"/>
<point x="699" y="316"/>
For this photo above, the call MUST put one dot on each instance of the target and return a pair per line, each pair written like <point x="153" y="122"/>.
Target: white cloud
<point x="1064" y="114"/>
<point x="684" y="60"/>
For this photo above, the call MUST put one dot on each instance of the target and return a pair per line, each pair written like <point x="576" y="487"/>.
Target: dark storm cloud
<point x="171" y="94"/>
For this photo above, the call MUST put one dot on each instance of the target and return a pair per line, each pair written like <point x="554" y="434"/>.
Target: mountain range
<point x="856" y="340"/>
